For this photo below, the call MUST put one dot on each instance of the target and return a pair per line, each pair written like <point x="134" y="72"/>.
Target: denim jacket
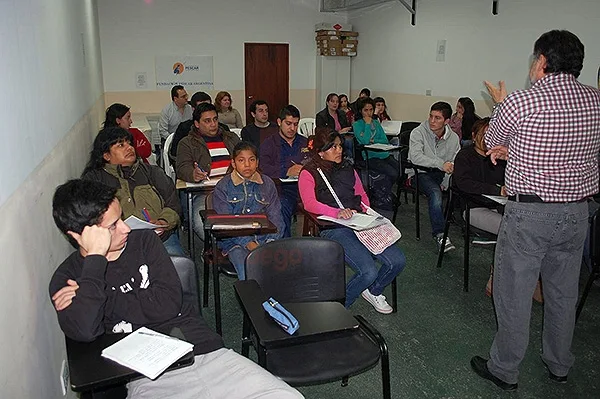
<point x="235" y="195"/>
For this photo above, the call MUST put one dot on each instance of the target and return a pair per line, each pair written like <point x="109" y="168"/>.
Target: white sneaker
<point x="378" y="302"/>
<point x="447" y="247"/>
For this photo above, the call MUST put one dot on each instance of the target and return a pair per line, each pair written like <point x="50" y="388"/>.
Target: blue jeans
<point x="362" y="262"/>
<point x="237" y="257"/>
<point x="386" y="166"/>
<point x="173" y="245"/>
<point x="429" y="184"/>
<point x="536" y="239"/>
<point x="289" y="203"/>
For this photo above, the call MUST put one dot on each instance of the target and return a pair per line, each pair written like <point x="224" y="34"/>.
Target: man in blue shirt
<point x="282" y="156"/>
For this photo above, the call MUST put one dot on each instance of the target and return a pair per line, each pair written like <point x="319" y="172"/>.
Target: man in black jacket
<point x="119" y="280"/>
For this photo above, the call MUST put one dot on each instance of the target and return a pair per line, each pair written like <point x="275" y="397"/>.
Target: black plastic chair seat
<point x="326" y="361"/>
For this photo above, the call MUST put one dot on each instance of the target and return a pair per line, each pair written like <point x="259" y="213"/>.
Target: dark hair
<point x="198" y="97"/>
<point x="244" y="146"/>
<point x="289" y="110"/>
<point x="469" y="117"/>
<point x="202" y="108"/>
<point x="174" y="91"/>
<point x="105" y="139"/>
<point x="343" y="96"/>
<point x="80" y="203"/>
<point x="255" y="104"/>
<point x="563" y="50"/>
<point x="323" y="139"/>
<point x="221" y="95"/>
<point x="330" y="96"/>
<point x="114" y="112"/>
<point x="365" y="91"/>
<point x="479" y="126"/>
<point x="444" y="108"/>
<point x="360" y="104"/>
<point x="382" y="100"/>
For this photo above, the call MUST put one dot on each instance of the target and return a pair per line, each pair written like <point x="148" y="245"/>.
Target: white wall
<point x="395" y="57"/>
<point x="51" y="95"/>
<point x="132" y="33"/>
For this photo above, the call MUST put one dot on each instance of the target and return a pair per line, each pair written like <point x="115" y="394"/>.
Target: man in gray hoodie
<point x="434" y="145"/>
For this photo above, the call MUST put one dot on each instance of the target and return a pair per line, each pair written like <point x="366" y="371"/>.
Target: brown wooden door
<point x="267" y="76"/>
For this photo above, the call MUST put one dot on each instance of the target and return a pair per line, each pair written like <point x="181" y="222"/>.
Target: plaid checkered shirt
<point x="552" y="132"/>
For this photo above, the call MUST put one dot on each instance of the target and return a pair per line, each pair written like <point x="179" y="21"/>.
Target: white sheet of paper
<point x="204" y="183"/>
<point x="380" y="146"/>
<point x="290" y="180"/>
<point x="499" y="199"/>
<point x="148" y="352"/>
<point x="136" y="223"/>
<point x="391" y="128"/>
<point x="359" y="221"/>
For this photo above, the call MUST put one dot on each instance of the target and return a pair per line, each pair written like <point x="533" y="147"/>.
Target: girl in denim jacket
<point x="246" y="191"/>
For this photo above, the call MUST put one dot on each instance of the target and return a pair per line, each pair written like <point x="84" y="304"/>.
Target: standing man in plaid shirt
<point x="550" y="136"/>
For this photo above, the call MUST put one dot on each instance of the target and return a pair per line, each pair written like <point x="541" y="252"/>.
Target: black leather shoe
<point x="554" y="377"/>
<point x="479" y="366"/>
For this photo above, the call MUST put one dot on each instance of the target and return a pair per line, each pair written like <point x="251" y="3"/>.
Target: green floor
<point x="439" y="327"/>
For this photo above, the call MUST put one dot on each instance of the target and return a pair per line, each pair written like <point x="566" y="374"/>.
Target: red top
<point x="143" y="149"/>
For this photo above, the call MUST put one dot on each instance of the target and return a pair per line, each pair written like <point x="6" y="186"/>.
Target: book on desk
<point x="236" y="222"/>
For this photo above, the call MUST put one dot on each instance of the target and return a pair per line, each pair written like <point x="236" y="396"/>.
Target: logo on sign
<point x="178" y="68"/>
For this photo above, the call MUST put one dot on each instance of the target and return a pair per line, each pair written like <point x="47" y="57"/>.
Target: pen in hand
<point x="201" y="170"/>
<point x="146" y="214"/>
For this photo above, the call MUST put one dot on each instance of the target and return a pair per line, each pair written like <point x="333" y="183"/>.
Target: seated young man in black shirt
<point x="257" y="131"/>
<point x="119" y="280"/>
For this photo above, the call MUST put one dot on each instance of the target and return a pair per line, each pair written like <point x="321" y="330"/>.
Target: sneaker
<point x="447" y="247"/>
<point x="378" y="302"/>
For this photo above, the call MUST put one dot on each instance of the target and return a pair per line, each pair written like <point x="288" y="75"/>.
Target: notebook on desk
<point x="236" y="222"/>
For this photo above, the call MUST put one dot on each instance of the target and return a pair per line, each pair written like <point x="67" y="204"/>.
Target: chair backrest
<point x="208" y="201"/>
<point x="306" y="127"/>
<point x="405" y="130"/>
<point x="237" y="131"/>
<point x="165" y="156"/>
<point x="186" y="270"/>
<point x="299" y="269"/>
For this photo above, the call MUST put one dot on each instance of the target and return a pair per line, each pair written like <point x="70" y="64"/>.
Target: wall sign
<point x="192" y="72"/>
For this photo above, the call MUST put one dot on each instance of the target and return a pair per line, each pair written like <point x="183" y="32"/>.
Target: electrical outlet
<point x="428" y="92"/>
<point x="64" y="377"/>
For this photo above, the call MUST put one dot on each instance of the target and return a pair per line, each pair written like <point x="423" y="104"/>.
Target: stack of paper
<point x="147" y="352"/>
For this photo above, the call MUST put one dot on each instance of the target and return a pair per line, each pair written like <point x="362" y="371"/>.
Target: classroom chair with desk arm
<point x="595" y="259"/>
<point x="465" y="202"/>
<point x="95" y="377"/>
<point x="307" y="275"/>
<point x="312" y="228"/>
<point x="215" y="260"/>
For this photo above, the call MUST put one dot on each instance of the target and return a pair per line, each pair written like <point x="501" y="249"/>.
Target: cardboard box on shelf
<point x="333" y="26"/>
<point x="334" y="37"/>
<point x="343" y="33"/>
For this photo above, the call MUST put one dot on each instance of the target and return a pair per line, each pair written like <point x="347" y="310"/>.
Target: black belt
<point x="532" y="198"/>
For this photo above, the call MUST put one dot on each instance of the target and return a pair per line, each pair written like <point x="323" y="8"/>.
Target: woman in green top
<point x="369" y="131"/>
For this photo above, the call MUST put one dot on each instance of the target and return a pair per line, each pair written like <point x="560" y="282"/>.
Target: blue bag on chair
<point x="280" y="314"/>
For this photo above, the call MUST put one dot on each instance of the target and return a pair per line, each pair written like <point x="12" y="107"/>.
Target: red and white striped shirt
<point x="552" y="132"/>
